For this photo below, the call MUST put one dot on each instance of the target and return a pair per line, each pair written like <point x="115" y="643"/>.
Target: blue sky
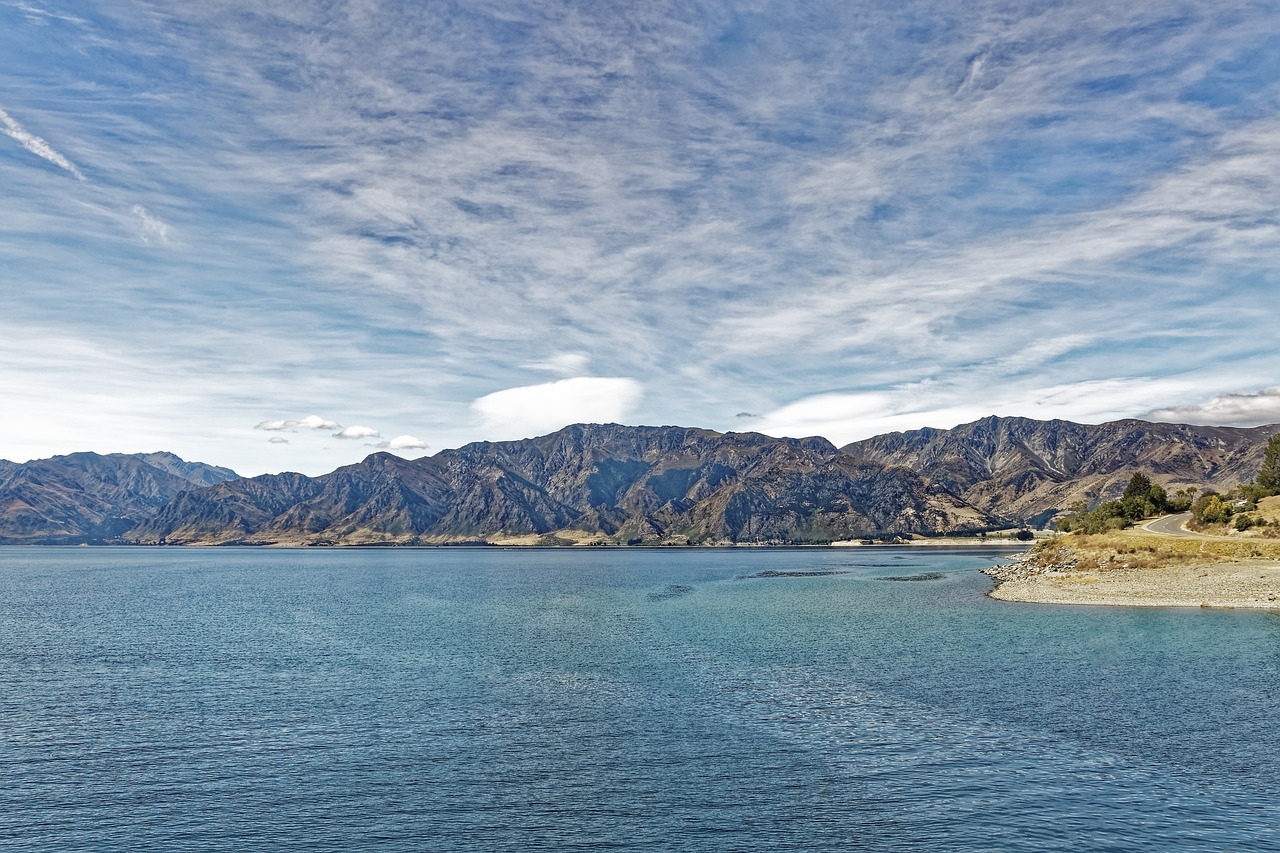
<point x="279" y="236"/>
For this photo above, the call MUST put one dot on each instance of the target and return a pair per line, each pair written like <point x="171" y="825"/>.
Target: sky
<point x="282" y="236"/>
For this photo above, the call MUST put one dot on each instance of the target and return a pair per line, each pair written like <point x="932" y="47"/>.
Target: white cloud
<point x="357" y="431"/>
<point x="1242" y="410"/>
<point x="36" y="145"/>
<point x="403" y="442"/>
<point x="537" y="409"/>
<point x="309" y="422"/>
<point x="152" y="228"/>
<point x="275" y="439"/>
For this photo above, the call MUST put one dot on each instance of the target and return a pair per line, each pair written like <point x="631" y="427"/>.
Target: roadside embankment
<point x="1142" y="569"/>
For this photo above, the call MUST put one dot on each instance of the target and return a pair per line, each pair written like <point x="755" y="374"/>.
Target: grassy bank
<point x="1101" y="552"/>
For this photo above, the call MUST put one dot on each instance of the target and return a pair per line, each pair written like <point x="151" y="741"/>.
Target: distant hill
<point x="196" y="473"/>
<point x="621" y="484"/>
<point x="1030" y="469"/>
<point x="91" y="497"/>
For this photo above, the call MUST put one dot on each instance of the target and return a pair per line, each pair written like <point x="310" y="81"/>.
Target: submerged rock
<point x="923" y="576"/>
<point x="674" y="590"/>
<point x="804" y="574"/>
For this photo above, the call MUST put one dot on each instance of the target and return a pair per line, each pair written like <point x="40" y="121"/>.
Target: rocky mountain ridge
<point x="92" y="497"/>
<point x="1031" y="469"/>
<point x="637" y="485"/>
<point x="603" y="482"/>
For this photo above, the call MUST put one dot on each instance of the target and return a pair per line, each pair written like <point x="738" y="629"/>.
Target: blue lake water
<point x="587" y="699"/>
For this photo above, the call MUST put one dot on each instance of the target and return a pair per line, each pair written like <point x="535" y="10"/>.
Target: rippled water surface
<point x="584" y="699"/>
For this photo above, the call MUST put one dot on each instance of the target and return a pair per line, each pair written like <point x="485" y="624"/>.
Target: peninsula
<point x="1157" y="565"/>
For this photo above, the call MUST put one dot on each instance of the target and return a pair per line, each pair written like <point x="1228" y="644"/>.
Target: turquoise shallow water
<point x="480" y="699"/>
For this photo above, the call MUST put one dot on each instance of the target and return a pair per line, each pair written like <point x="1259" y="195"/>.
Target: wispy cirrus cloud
<point x="153" y="229"/>
<point x="741" y="210"/>
<point x="37" y="15"/>
<point x="36" y="145"/>
<point x="992" y="78"/>
<point x="563" y="364"/>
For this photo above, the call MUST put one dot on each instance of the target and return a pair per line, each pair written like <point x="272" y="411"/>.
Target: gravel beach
<point x="1249" y="583"/>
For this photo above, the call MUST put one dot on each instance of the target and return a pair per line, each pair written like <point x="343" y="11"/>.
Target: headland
<point x="1138" y="568"/>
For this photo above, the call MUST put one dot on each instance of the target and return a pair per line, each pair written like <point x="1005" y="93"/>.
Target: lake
<point x="620" y="699"/>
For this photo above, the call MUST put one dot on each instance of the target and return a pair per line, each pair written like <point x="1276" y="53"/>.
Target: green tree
<point x="1112" y="515"/>
<point x="1142" y="498"/>
<point x="1139" y="487"/>
<point x="1269" y="477"/>
<point x="1181" y="500"/>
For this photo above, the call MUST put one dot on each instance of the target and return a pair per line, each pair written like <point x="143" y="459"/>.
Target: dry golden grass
<point x="1268" y="509"/>
<point x="1104" y="552"/>
<point x="558" y="537"/>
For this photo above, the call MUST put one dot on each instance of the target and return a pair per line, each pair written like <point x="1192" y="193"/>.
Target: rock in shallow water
<point x="923" y="576"/>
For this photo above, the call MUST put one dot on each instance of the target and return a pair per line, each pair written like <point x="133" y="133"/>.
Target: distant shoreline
<point x="941" y="542"/>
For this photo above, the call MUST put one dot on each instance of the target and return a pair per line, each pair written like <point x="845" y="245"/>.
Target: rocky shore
<point x="1134" y="571"/>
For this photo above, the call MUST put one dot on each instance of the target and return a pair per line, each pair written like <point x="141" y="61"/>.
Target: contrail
<point x="36" y="145"/>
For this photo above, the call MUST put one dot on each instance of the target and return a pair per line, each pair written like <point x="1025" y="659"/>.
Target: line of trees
<point x="1212" y="508"/>
<point x="1142" y="499"/>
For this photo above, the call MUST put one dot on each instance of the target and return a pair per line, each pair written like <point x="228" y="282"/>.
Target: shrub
<point x="1209" y="508"/>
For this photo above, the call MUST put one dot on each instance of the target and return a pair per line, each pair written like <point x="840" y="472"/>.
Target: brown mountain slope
<point x="89" y="497"/>
<point x="1029" y="469"/>
<point x="623" y="484"/>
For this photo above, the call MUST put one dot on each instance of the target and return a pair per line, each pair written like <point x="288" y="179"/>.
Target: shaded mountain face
<point x="614" y="483"/>
<point x="1030" y="469"/>
<point x="89" y="497"/>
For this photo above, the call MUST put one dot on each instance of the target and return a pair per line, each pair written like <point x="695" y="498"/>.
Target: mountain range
<point x="605" y="482"/>
<point x="611" y="484"/>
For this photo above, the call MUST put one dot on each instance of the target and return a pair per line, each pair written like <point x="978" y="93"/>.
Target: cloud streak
<point x="37" y="15"/>
<point x="36" y="145"/>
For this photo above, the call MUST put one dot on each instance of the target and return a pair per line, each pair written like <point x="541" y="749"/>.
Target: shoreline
<point x="1086" y="572"/>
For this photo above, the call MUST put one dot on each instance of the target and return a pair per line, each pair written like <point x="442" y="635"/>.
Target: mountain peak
<point x="91" y="497"/>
